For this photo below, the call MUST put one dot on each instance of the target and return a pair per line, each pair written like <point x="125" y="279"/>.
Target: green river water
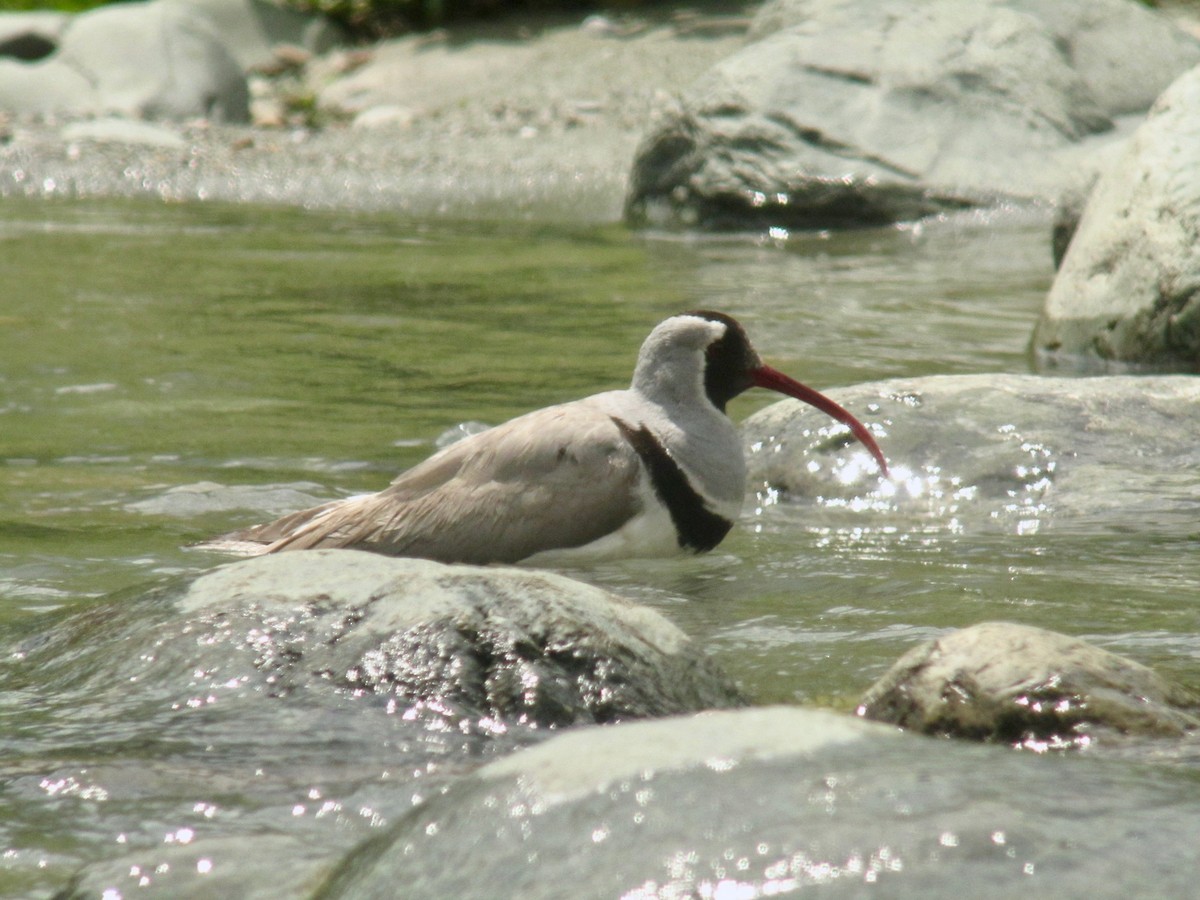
<point x="281" y="353"/>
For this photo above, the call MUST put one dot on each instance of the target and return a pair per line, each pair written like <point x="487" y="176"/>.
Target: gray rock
<point x="1011" y="453"/>
<point x="253" y="29"/>
<point x="1028" y="687"/>
<point x="156" y="60"/>
<point x="852" y="113"/>
<point x="46" y="87"/>
<point x="484" y="643"/>
<point x="1128" y="289"/>
<point x="770" y="802"/>
<point x="171" y="59"/>
<point x="382" y="680"/>
<point x="1124" y="52"/>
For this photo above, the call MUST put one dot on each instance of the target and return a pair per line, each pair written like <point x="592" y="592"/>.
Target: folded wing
<point x="557" y="478"/>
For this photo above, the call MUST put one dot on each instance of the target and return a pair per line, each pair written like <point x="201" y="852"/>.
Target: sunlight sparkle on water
<point x="942" y="494"/>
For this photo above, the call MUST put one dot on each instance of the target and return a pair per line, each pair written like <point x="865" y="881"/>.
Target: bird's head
<point x="705" y="356"/>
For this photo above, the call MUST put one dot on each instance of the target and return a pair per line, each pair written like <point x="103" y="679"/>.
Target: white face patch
<point x="672" y="363"/>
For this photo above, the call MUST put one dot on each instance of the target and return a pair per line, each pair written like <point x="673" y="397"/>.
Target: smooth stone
<point x="1029" y="687"/>
<point x="385" y="116"/>
<point x="45" y="87"/>
<point x="841" y="114"/>
<point x="252" y="30"/>
<point x="1124" y="52"/>
<point x="773" y="801"/>
<point x="1127" y="290"/>
<point x="993" y="451"/>
<point x="123" y="131"/>
<point x="155" y="60"/>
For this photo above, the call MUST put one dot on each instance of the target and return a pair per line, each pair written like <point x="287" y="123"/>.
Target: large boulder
<point x="152" y="60"/>
<point x="254" y="30"/>
<point x="156" y="60"/>
<point x="777" y="801"/>
<point x="312" y="697"/>
<point x="1027" y="687"/>
<point x="456" y="643"/>
<point x="1128" y="286"/>
<point x="851" y="112"/>
<point x="167" y="59"/>
<point x="45" y="87"/>
<point x="993" y="452"/>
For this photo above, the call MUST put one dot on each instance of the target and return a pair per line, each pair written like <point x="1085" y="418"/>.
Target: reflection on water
<point x="170" y="373"/>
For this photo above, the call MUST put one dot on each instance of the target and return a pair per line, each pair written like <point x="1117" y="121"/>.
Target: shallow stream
<point x="169" y="372"/>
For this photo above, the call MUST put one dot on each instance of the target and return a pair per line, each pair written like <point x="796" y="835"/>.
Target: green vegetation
<point x="69" y="6"/>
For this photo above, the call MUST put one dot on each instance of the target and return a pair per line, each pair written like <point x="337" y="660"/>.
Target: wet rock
<point x="1007" y="452"/>
<point x="284" y="708"/>
<point x="474" y="643"/>
<point x="771" y="801"/>
<point x="1028" y="687"/>
<point x="1128" y="290"/>
<point x="842" y="114"/>
<point x="196" y="869"/>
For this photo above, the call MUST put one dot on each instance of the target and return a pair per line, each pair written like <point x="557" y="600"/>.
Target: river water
<point x="169" y="372"/>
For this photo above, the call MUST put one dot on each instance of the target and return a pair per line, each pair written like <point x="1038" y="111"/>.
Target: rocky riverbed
<point x="497" y="119"/>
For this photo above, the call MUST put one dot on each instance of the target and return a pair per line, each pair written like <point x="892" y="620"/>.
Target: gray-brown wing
<point x="557" y="478"/>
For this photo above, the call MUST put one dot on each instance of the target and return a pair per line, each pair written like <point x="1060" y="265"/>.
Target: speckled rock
<point x="773" y="802"/>
<point x="458" y="642"/>
<point x="1029" y="687"/>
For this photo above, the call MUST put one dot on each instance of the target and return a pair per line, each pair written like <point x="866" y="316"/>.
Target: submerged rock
<point x="513" y="644"/>
<point x="772" y="801"/>
<point x="1008" y="452"/>
<point x="1028" y="687"/>
<point x="458" y="642"/>
<point x="859" y="113"/>
<point x="1128" y="287"/>
<point x="286" y="707"/>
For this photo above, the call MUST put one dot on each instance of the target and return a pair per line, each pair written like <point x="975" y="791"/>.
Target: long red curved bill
<point x="774" y="380"/>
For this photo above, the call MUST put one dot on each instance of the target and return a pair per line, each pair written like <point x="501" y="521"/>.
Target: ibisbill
<point x="653" y="470"/>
